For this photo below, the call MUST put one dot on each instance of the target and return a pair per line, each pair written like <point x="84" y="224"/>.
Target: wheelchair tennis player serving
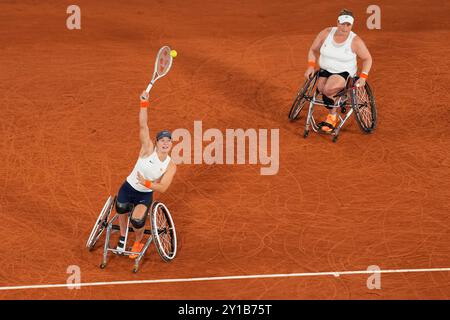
<point x="339" y="48"/>
<point x="153" y="171"/>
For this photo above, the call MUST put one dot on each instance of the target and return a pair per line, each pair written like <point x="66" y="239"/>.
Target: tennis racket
<point x="162" y="66"/>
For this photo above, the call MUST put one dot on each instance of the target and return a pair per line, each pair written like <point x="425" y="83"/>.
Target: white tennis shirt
<point x="338" y="57"/>
<point x="151" y="168"/>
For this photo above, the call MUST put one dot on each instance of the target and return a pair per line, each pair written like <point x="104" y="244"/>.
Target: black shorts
<point x="129" y="195"/>
<point x="327" y="74"/>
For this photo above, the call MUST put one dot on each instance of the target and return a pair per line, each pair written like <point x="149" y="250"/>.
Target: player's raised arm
<point x="146" y="142"/>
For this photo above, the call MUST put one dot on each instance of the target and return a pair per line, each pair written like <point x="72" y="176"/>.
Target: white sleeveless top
<point x="338" y="57"/>
<point x="151" y="168"/>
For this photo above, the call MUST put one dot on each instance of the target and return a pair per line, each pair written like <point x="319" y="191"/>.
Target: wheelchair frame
<point x="346" y="98"/>
<point x="154" y="233"/>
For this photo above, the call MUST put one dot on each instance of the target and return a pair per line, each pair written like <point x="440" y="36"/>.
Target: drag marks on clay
<point x="368" y="199"/>
<point x="50" y="161"/>
<point x="238" y="72"/>
<point x="417" y="85"/>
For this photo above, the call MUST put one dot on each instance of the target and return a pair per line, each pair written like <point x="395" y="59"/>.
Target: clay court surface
<point x="69" y="137"/>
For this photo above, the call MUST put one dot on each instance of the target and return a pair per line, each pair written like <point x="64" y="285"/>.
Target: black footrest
<point x="325" y="124"/>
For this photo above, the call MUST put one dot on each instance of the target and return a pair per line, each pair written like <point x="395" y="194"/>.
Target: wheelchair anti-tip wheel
<point x="303" y="96"/>
<point x="363" y="103"/>
<point x="101" y="223"/>
<point x="163" y="231"/>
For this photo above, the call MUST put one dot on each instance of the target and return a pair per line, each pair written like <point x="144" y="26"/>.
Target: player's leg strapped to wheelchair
<point x="137" y="220"/>
<point x="329" y="103"/>
<point x="132" y="207"/>
<point x="137" y="217"/>
<point x="331" y="92"/>
<point x="123" y="209"/>
<point x="331" y="120"/>
<point x="349" y="100"/>
<point x="330" y="84"/>
<point x="161" y="232"/>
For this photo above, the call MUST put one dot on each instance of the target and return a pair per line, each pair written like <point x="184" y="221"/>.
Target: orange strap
<point x="311" y="63"/>
<point x="364" y="75"/>
<point x="144" y="104"/>
<point x="148" y="184"/>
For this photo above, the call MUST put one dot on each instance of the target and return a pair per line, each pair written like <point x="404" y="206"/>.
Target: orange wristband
<point x="363" y="75"/>
<point x="144" y="104"/>
<point x="148" y="184"/>
<point x="312" y="63"/>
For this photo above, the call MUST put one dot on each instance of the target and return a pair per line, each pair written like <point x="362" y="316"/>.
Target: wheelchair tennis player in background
<point x="339" y="48"/>
<point x="153" y="171"/>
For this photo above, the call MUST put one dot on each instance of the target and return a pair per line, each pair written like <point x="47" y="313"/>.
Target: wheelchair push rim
<point x="365" y="108"/>
<point x="101" y="223"/>
<point x="163" y="231"/>
<point x="304" y="95"/>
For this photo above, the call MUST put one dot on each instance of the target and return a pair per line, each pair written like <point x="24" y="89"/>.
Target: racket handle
<point x="149" y="87"/>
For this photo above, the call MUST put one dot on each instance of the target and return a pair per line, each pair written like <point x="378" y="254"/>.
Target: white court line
<point x="257" y="276"/>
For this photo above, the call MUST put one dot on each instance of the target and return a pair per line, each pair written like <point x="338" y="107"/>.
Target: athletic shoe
<point x="121" y="245"/>
<point x="137" y="247"/>
<point x="331" y="119"/>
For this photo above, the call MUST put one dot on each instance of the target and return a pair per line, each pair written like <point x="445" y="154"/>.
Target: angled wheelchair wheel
<point x="303" y="96"/>
<point x="101" y="223"/>
<point x="163" y="231"/>
<point x="363" y="104"/>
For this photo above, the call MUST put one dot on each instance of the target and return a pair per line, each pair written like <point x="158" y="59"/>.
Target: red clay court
<point x="69" y="137"/>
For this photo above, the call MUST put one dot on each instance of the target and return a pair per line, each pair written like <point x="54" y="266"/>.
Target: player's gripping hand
<point x="309" y="72"/>
<point x="360" y="82"/>
<point x="144" y="99"/>
<point x="144" y="96"/>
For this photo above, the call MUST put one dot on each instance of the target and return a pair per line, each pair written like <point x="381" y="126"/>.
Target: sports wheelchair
<point x="162" y="232"/>
<point x="351" y="99"/>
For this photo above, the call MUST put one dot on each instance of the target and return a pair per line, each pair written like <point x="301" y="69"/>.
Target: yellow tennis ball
<point x="173" y="53"/>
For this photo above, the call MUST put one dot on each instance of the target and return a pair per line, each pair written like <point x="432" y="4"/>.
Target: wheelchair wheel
<point x="163" y="231"/>
<point x="101" y="223"/>
<point x="304" y="95"/>
<point x="363" y="103"/>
